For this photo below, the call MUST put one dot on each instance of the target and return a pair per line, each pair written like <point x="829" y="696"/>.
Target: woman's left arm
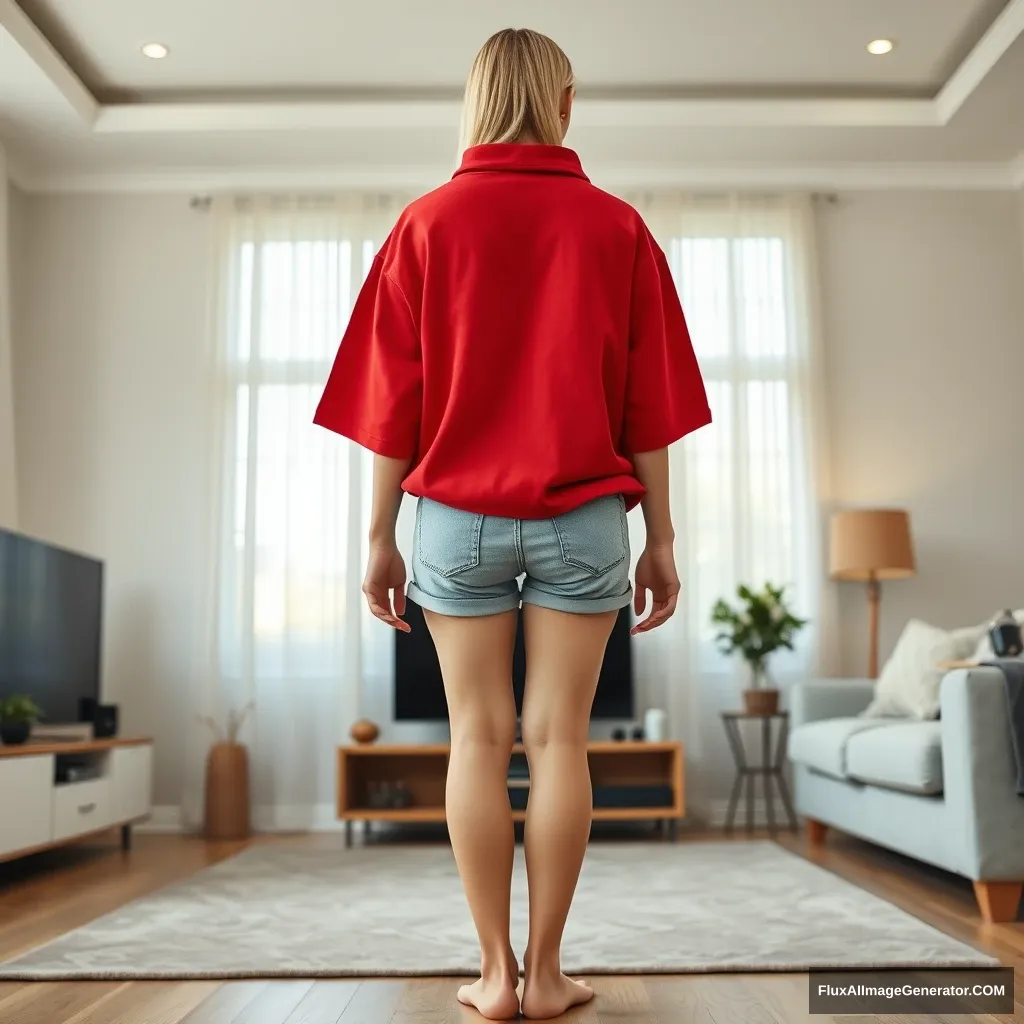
<point x="384" y="585"/>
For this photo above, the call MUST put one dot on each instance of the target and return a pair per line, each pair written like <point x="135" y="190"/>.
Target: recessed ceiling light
<point x="880" y="46"/>
<point x="155" y="51"/>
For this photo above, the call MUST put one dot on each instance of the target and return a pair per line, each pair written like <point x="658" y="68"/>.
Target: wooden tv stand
<point x="38" y="813"/>
<point x="421" y="771"/>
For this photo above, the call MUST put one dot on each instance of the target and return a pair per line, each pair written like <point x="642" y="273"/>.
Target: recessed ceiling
<point x="259" y="92"/>
<point x="245" y="47"/>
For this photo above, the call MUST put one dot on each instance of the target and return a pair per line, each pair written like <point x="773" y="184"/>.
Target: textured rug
<point x="280" y="911"/>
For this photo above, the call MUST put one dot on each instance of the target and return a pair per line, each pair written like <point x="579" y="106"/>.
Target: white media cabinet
<point x="37" y="812"/>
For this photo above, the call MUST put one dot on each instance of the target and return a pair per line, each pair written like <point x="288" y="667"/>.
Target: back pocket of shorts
<point x="447" y="539"/>
<point x="593" y="536"/>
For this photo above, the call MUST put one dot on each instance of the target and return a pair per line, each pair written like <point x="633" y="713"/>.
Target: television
<point x="50" y="625"/>
<point x="419" y="691"/>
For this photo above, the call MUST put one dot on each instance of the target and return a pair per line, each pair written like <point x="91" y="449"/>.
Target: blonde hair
<point x="515" y="89"/>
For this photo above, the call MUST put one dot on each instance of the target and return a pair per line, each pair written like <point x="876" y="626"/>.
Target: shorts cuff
<point x="577" y="605"/>
<point x="465" y="606"/>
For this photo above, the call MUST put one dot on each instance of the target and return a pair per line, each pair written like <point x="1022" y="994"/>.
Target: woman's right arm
<point x="656" y="568"/>
<point x="651" y="469"/>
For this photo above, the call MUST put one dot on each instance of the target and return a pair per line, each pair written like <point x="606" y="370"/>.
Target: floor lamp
<point x="871" y="545"/>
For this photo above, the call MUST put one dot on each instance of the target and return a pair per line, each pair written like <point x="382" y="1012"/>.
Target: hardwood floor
<point x="44" y="896"/>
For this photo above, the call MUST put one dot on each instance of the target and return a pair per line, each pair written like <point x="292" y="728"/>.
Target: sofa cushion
<point x="908" y="686"/>
<point x="822" y="745"/>
<point x="905" y="755"/>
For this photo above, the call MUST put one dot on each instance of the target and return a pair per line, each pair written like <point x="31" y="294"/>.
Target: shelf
<point x="32" y="748"/>
<point x="422" y="771"/>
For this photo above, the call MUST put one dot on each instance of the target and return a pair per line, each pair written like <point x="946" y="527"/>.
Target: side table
<point x="769" y="768"/>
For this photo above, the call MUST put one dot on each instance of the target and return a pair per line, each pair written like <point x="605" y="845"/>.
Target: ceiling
<point x="321" y="91"/>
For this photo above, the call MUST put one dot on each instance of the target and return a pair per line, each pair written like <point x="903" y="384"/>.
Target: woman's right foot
<point x="550" y="993"/>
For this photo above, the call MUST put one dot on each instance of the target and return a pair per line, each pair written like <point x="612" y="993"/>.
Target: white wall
<point x="924" y="317"/>
<point x="924" y="307"/>
<point x="110" y="404"/>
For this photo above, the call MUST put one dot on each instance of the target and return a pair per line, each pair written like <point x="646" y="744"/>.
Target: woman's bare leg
<point x="563" y="658"/>
<point x="476" y="663"/>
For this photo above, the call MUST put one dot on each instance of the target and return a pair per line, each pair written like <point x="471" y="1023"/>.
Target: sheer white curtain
<point x="290" y="630"/>
<point x="8" y="490"/>
<point x="748" y="490"/>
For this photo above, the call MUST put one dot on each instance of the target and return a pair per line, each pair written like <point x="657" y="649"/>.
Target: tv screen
<point x="419" y="691"/>
<point x="50" y="622"/>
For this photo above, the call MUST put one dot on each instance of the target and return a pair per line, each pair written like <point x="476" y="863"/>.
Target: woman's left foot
<point x="494" y="994"/>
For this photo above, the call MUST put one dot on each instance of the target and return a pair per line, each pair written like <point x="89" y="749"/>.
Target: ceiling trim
<point x="997" y="176"/>
<point x="974" y="68"/>
<point x="166" y="118"/>
<point x="42" y="53"/>
<point x="1017" y="171"/>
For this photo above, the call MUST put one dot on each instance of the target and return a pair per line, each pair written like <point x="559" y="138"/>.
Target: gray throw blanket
<point x="1013" y="673"/>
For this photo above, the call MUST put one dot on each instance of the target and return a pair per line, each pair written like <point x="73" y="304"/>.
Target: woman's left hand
<point x="385" y="573"/>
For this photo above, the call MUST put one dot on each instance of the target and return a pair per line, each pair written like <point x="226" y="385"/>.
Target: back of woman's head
<point x="515" y="90"/>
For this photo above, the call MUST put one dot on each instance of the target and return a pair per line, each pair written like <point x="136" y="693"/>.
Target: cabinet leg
<point x="348" y="834"/>
<point x="673" y="829"/>
<point x="126" y="838"/>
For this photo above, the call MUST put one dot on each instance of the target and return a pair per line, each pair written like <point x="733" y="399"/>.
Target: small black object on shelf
<point x="637" y="733"/>
<point x="618" y="734"/>
<point x="1005" y="636"/>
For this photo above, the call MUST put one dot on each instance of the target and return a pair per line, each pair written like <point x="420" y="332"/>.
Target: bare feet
<point x="550" y="993"/>
<point x="494" y="993"/>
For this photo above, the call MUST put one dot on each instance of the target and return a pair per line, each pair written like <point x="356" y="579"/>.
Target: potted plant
<point x="759" y="625"/>
<point x="17" y="716"/>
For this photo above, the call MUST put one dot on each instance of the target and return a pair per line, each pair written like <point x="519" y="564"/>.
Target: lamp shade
<point x="871" y="544"/>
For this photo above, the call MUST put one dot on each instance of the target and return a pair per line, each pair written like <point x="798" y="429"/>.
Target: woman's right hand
<point x="656" y="572"/>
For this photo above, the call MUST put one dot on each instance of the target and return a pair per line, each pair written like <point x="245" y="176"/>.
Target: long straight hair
<point x="515" y="90"/>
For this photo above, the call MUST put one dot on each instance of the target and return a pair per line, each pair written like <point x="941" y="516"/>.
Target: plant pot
<point x="226" y="811"/>
<point x="761" y="701"/>
<point x="15" y="732"/>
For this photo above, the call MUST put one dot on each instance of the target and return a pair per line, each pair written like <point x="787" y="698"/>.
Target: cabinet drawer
<point x="82" y="807"/>
<point x="26" y="811"/>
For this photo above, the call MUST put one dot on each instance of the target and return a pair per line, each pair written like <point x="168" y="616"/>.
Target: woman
<point x="518" y="360"/>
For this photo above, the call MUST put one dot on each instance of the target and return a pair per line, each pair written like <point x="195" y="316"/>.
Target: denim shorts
<point x="464" y="563"/>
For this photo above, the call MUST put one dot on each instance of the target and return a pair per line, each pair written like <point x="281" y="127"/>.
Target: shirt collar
<point x="520" y="157"/>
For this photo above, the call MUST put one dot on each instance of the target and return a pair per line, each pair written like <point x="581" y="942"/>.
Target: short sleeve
<point x="665" y="394"/>
<point x="374" y="392"/>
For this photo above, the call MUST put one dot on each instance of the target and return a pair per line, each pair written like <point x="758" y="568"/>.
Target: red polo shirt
<point x="518" y="337"/>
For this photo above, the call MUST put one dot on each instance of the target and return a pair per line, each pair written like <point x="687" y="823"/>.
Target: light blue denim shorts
<point x="464" y="563"/>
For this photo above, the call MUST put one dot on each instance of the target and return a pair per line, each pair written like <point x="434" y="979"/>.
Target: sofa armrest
<point x="979" y="773"/>
<point x="828" y="698"/>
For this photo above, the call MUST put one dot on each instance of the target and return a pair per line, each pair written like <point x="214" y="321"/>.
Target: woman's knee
<point x="541" y="731"/>
<point x="486" y="727"/>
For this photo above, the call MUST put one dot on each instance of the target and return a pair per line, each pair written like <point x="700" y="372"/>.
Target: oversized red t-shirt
<point x="519" y="337"/>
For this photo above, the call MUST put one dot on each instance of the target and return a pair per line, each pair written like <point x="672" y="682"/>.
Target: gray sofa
<point x="940" y="791"/>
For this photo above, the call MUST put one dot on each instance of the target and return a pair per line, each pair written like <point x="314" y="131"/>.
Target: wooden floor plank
<point x="226" y="1002"/>
<point x="374" y="1002"/>
<point x="324" y="1003"/>
<point x="274" y="1004"/>
<point x="621" y="999"/>
<point x="56" y="1002"/>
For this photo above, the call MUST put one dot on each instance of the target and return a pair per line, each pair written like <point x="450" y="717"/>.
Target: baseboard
<point x="718" y="811"/>
<point x="296" y="818"/>
<point x="164" y="819"/>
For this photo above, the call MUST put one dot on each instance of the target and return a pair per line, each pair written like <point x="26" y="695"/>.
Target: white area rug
<point x="278" y="911"/>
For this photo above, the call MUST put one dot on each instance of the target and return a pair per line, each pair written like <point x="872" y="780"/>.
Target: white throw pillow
<point x="983" y="651"/>
<point x="908" y="685"/>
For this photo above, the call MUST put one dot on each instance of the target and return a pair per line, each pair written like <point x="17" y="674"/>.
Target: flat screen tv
<point x="419" y="691"/>
<point x="50" y="625"/>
